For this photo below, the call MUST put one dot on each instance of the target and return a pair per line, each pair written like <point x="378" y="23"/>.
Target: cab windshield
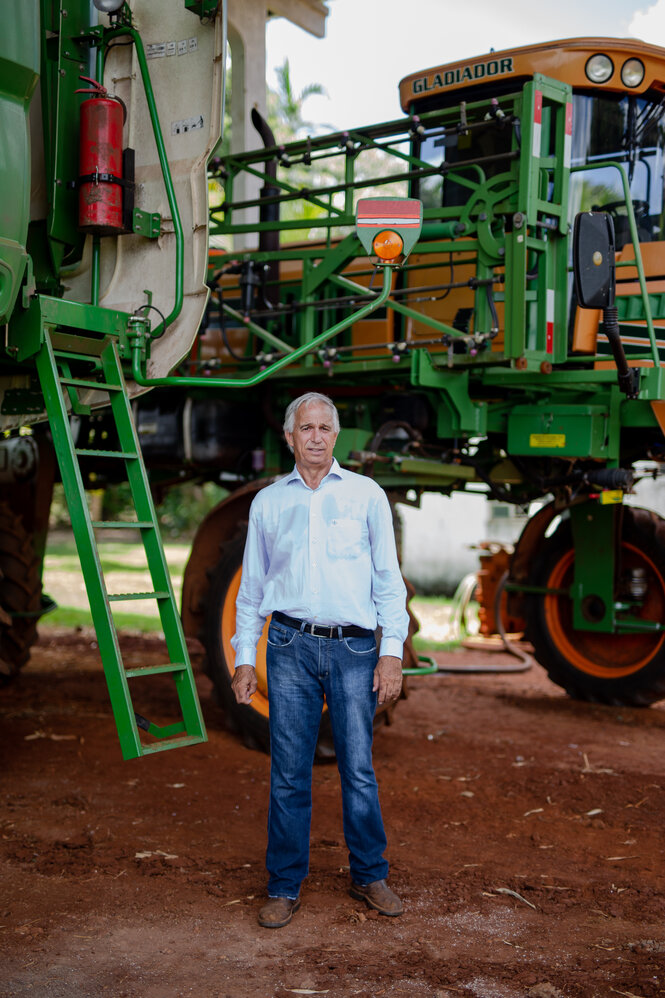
<point x="627" y="130"/>
<point x="630" y="131"/>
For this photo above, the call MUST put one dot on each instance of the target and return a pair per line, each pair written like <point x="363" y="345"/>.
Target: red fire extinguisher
<point x="100" y="162"/>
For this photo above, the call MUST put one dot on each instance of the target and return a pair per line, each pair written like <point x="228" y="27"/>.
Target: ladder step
<point x="102" y="386"/>
<point x="86" y="348"/>
<point x="121" y="597"/>
<point x="124" y="455"/>
<point x="123" y="524"/>
<point x="172" y="743"/>
<point x="156" y="670"/>
<point x="160" y="730"/>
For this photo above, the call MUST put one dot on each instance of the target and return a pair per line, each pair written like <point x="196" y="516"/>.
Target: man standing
<point x="320" y="557"/>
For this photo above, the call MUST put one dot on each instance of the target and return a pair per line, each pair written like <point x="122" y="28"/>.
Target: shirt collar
<point x="335" y="470"/>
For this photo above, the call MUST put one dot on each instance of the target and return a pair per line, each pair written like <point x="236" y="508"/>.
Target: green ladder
<point x="66" y="366"/>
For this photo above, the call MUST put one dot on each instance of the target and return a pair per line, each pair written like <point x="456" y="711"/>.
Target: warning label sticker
<point x="187" y="125"/>
<point x="547" y="440"/>
<point x="183" y="46"/>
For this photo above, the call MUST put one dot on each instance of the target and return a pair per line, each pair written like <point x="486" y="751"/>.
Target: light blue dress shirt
<point x="324" y="555"/>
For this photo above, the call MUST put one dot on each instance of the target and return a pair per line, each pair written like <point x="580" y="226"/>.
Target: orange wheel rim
<point x="260" y="698"/>
<point x="605" y="656"/>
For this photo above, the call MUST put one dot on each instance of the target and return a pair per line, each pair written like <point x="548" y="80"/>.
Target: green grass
<point x="432" y="600"/>
<point x="63" y="551"/>
<point x="61" y="547"/>
<point x="72" y="617"/>
<point x="423" y="645"/>
<point x="62" y="575"/>
<point x="420" y="606"/>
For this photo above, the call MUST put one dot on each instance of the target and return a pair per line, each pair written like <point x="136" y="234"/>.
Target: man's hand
<point x="388" y="678"/>
<point x="244" y="683"/>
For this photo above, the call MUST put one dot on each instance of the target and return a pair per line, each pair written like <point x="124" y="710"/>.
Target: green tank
<point x="19" y="77"/>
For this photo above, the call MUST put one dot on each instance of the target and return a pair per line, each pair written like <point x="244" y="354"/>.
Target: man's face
<point x="313" y="436"/>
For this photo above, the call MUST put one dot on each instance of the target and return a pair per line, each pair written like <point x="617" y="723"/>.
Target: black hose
<point x="628" y="377"/>
<point x="268" y="212"/>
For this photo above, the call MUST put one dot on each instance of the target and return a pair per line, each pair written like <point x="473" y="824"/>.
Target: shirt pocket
<point x="346" y="538"/>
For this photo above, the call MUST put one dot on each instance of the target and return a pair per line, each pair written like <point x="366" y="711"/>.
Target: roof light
<point x="387" y="245"/>
<point x="599" y="68"/>
<point x="632" y="72"/>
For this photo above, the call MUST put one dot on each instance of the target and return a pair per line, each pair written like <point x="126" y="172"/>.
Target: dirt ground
<point x="525" y="837"/>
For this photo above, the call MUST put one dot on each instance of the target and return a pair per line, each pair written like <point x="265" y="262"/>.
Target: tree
<point x="285" y="107"/>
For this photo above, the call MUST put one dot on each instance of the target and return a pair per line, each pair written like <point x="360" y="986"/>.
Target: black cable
<point x="147" y="308"/>
<point x="117" y="45"/>
<point x="492" y="307"/>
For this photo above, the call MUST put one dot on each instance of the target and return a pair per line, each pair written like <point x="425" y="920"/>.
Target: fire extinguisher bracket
<point x="101" y="178"/>
<point x="146" y="223"/>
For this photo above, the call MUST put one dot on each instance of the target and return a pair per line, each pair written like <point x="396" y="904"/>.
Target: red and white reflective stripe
<point x="568" y="141"/>
<point x="549" y="321"/>
<point x="389" y="220"/>
<point x="402" y="214"/>
<point x="537" y="123"/>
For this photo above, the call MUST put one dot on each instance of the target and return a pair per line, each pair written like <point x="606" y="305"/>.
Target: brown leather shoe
<point x="277" y="912"/>
<point x="378" y="896"/>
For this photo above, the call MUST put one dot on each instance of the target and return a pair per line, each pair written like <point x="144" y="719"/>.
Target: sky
<point x="371" y="44"/>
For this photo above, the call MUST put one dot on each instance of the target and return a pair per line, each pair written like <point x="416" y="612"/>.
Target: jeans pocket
<point x="360" y="646"/>
<point x="280" y="636"/>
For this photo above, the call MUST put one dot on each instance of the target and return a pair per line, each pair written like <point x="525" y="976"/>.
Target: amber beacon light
<point x="389" y="228"/>
<point x="388" y="245"/>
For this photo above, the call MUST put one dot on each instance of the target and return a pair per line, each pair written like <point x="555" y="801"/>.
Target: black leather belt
<point x="322" y="630"/>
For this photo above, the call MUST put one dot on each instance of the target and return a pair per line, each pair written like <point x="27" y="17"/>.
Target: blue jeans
<point x="302" y="669"/>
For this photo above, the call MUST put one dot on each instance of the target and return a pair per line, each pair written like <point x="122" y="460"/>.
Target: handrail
<point x="127" y="29"/>
<point x="137" y="337"/>
<point x="639" y="266"/>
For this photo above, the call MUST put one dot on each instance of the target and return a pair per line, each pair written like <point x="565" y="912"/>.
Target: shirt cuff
<point x="246" y="656"/>
<point x="391" y="646"/>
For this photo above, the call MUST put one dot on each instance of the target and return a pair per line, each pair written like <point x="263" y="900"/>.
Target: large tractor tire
<point x="251" y="722"/>
<point x="20" y="594"/>
<point x="619" y="669"/>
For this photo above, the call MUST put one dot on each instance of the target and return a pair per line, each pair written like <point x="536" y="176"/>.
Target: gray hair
<point x="309" y="399"/>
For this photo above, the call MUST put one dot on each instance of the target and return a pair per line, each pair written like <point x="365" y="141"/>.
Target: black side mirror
<point x="593" y="259"/>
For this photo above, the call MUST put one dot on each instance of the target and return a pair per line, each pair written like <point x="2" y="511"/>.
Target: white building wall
<point x="437" y="539"/>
